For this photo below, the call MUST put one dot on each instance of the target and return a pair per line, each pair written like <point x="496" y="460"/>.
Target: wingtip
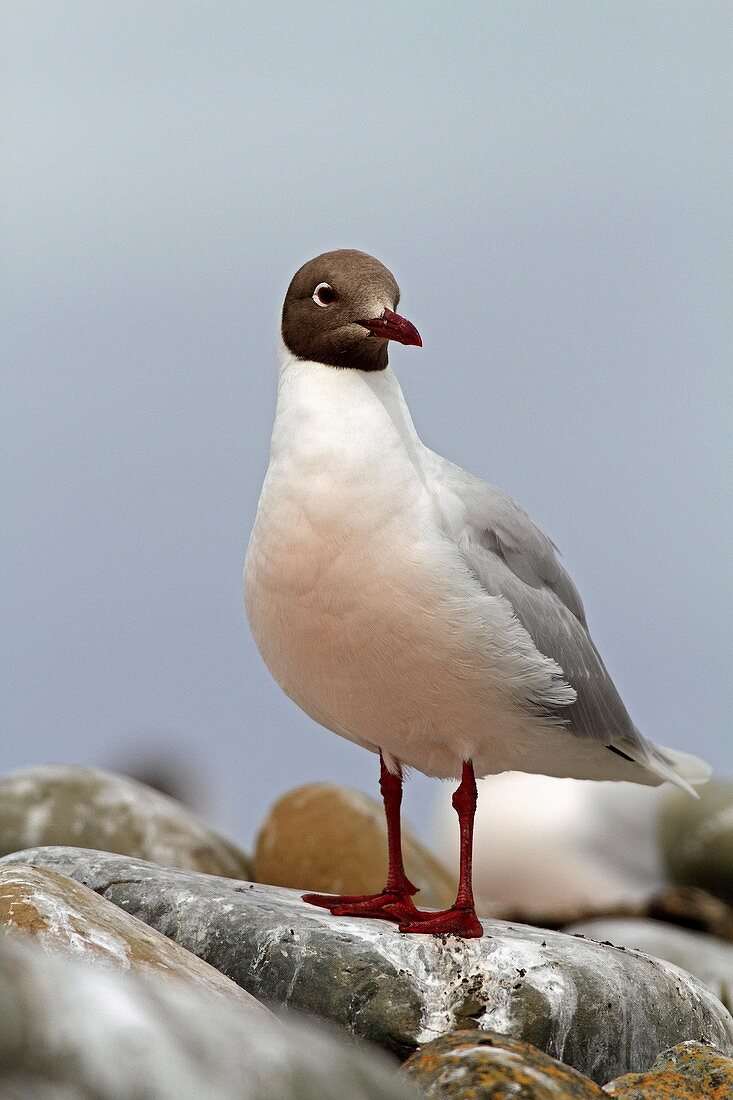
<point x="681" y="768"/>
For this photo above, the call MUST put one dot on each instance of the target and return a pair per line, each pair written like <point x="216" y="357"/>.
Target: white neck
<point x="347" y="418"/>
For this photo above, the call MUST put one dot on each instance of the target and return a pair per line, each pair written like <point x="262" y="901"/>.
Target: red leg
<point x="395" y="902"/>
<point x="461" y="918"/>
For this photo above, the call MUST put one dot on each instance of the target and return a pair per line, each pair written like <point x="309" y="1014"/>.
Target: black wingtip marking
<point x="625" y="755"/>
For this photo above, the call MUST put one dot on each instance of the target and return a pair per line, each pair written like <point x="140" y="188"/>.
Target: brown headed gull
<point x="407" y="605"/>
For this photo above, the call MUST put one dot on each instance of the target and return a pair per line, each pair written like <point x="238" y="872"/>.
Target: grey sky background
<point x="550" y="184"/>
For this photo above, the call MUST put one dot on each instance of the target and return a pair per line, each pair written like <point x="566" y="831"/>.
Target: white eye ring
<point x="330" y="295"/>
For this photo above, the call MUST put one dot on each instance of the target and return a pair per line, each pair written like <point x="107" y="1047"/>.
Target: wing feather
<point x="513" y="558"/>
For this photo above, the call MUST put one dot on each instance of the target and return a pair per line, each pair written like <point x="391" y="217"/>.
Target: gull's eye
<point x="324" y="295"/>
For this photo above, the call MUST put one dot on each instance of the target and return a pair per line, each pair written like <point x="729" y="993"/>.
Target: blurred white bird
<point x="603" y="840"/>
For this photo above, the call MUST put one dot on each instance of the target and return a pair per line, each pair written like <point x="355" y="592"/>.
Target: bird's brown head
<point x="340" y="310"/>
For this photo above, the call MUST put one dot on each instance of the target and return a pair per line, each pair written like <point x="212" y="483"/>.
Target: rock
<point x="112" y="1036"/>
<point x="696" y="838"/>
<point x="708" y="958"/>
<point x="689" y="1071"/>
<point x="602" y="1010"/>
<point x="686" y="906"/>
<point x="28" y="1086"/>
<point x="95" y="809"/>
<point x="334" y="840"/>
<point x="482" y="1064"/>
<point x="65" y="917"/>
<point x="690" y="907"/>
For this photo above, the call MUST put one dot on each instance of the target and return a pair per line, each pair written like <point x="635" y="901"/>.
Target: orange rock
<point x="334" y="840"/>
<point x="689" y="1071"/>
<point x="471" y="1065"/>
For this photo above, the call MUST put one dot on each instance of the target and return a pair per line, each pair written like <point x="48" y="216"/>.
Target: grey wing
<point x="513" y="558"/>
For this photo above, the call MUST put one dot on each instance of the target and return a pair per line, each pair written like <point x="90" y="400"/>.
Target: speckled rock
<point x="689" y="1071"/>
<point x="95" y="809"/>
<point x="67" y="918"/>
<point x="334" y="840"/>
<point x="95" y="1034"/>
<point x="603" y="1011"/>
<point x="696" y="838"/>
<point x="708" y="958"/>
<point x="481" y="1065"/>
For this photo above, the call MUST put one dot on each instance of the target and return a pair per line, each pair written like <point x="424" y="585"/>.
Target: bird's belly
<point x="363" y="629"/>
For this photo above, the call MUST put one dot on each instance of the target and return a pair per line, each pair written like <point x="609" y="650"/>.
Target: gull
<point x="408" y="606"/>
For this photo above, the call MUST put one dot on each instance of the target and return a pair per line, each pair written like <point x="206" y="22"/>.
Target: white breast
<point x="361" y="607"/>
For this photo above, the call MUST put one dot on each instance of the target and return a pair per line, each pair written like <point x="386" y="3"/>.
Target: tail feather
<point x="681" y="768"/>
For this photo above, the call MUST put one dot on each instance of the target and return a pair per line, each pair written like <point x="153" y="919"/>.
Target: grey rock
<point x="95" y="809"/>
<point x="95" y="1034"/>
<point x="29" y="1086"/>
<point x="696" y="838"/>
<point x="709" y="959"/>
<point x="603" y="1011"/>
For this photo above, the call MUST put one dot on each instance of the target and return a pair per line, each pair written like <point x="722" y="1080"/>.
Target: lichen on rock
<point x="483" y="1064"/>
<point x="689" y="1071"/>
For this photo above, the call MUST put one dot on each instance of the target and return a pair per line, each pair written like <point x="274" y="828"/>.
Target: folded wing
<point x="513" y="558"/>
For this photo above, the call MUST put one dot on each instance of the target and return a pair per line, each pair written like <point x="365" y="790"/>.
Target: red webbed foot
<point x="456" y="921"/>
<point x="390" y="905"/>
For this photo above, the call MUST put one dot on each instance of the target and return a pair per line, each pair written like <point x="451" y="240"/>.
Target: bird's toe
<point x="388" y="905"/>
<point x="455" y="921"/>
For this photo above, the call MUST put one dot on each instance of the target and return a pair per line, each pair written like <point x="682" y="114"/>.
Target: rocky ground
<point x="143" y="955"/>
